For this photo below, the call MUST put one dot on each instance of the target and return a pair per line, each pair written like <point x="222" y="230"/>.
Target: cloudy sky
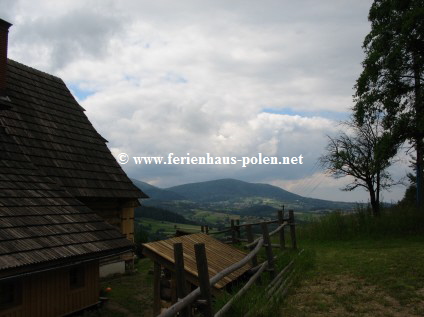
<point x="229" y="78"/>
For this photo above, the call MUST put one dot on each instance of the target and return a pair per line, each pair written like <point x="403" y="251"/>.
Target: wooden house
<point x="65" y="204"/>
<point x="50" y="243"/>
<point x="54" y="133"/>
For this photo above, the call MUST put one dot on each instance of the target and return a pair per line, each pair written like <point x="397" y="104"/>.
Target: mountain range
<point x="233" y="196"/>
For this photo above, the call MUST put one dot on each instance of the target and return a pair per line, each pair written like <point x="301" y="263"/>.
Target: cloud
<point x="230" y="78"/>
<point x="57" y="35"/>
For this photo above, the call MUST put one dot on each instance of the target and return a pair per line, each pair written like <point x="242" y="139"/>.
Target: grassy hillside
<point x="357" y="265"/>
<point x="364" y="266"/>
<point x="368" y="277"/>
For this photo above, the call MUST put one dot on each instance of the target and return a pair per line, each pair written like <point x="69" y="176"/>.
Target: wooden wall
<point x="118" y="213"/>
<point x="48" y="294"/>
<point x="127" y="222"/>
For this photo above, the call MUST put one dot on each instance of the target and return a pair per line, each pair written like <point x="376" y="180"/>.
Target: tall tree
<point x="363" y="154"/>
<point x="392" y="78"/>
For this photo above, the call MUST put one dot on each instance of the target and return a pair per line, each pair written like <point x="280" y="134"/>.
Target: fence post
<point x="268" y="247"/>
<point x="207" y="229"/>
<point x="203" y="275"/>
<point x="202" y="228"/>
<point x="233" y="232"/>
<point x="280" y="222"/>
<point x="238" y="229"/>
<point x="180" y="276"/>
<point x="249" y="234"/>
<point x="292" y="229"/>
<point x="156" y="288"/>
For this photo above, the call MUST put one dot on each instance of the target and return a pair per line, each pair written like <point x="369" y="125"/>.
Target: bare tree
<point x="363" y="152"/>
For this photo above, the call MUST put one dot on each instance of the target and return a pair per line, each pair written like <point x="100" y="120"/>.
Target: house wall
<point x="116" y="267"/>
<point x="127" y="222"/>
<point x="49" y="294"/>
<point x="118" y="213"/>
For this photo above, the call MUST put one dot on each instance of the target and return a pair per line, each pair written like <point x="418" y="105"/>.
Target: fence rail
<point x="202" y="294"/>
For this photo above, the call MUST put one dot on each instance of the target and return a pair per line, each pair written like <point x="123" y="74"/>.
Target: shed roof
<point x="41" y="224"/>
<point x="219" y="255"/>
<point x="52" y="130"/>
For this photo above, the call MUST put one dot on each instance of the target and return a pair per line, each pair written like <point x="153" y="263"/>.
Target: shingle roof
<point x="51" y="155"/>
<point x="219" y="255"/>
<point x="52" y="130"/>
<point x="41" y="224"/>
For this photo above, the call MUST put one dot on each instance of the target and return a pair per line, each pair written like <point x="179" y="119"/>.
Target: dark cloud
<point x="69" y="36"/>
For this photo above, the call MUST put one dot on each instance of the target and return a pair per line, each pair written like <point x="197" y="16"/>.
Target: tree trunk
<point x="375" y="205"/>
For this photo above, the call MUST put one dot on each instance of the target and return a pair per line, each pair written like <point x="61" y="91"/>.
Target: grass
<point x="255" y="300"/>
<point x="131" y="295"/>
<point x="394" y="222"/>
<point x="168" y="227"/>
<point x="211" y="217"/>
<point x="353" y="265"/>
<point x="364" y="277"/>
<point x="364" y="266"/>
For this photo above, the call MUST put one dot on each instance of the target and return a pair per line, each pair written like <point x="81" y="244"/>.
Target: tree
<point x="391" y="82"/>
<point x="140" y="236"/>
<point x="410" y="196"/>
<point x="365" y="155"/>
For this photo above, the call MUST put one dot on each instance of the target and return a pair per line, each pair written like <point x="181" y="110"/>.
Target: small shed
<point x="219" y="257"/>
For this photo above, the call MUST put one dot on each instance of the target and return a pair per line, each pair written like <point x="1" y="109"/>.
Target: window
<point x="76" y="277"/>
<point x="10" y="294"/>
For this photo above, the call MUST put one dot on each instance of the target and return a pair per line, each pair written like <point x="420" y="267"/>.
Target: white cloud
<point x="195" y="76"/>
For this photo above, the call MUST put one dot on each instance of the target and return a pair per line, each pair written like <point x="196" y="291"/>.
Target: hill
<point x="228" y="189"/>
<point x="232" y="190"/>
<point x="157" y="193"/>
<point x="232" y="196"/>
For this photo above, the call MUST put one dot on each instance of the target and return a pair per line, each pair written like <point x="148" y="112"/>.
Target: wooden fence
<point x="201" y="297"/>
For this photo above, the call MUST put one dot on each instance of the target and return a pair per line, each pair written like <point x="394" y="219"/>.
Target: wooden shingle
<point x="52" y="130"/>
<point x="51" y="158"/>
<point x="41" y="224"/>
<point x="219" y="255"/>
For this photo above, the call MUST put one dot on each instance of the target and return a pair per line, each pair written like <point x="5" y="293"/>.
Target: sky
<point x="228" y="78"/>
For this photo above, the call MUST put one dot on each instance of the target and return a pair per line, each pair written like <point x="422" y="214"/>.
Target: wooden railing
<point x="202" y="296"/>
